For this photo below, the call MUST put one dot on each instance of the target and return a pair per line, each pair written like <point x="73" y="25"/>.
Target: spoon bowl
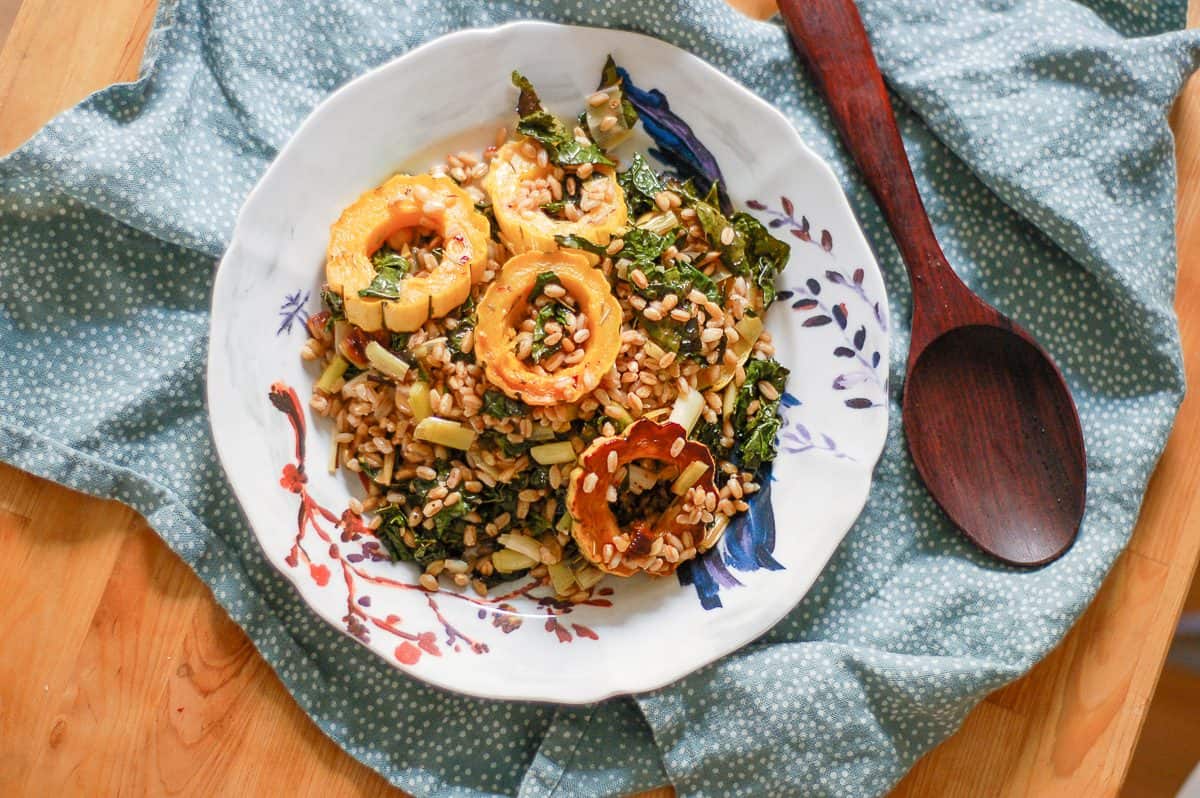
<point x="994" y="435"/>
<point x="990" y="422"/>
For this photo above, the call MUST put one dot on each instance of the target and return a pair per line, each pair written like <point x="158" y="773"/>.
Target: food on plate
<point x="550" y="358"/>
<point x="554" y="294"/>
<point x="417" y="230"/>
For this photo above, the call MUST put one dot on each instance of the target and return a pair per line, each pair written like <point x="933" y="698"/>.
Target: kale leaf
<point x="540" y="282"/>
<point x="682" y="338"/>
<point x="550" y="312"/>
<point x="610" y="79"/>
<point x="645" y="245"/>
<point x="337" y="306"/>
<point x="543" y="126"/>
<point x="755" y="433"/>
<point x="454" y="340"/>
<point x="499" y="405"/>
<point x="678" y="146"/>
<point x="579" y="242"/>
<point x="390" y="269"/>
<point x="640" y="184"/>
<point x="606" y="128"/>
<point x="763" y="255"/>
<point x="679" y="279"/>
<point x="753" y="252"/>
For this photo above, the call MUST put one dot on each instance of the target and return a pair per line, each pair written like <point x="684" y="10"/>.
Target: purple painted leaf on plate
<point x="844" y="381"/>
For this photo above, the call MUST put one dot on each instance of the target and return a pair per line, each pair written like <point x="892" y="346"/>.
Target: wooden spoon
<point x="988" y="417"/>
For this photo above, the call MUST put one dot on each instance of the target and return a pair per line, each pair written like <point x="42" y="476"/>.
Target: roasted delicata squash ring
<point x="527" y="229"/>
<point x="595" y="526"/>
<point x="405" y="201"/>
<point x="506" y="303"/>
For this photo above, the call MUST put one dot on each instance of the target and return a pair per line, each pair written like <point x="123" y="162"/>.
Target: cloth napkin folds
<point x="1038" y="134"/>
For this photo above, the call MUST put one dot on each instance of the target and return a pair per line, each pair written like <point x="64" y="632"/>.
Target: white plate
<point x="830" y="328"/>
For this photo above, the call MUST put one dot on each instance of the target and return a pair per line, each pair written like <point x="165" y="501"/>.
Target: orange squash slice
<point x="506" y="302"/>
<point x="595" y="526"/>
<point x="405" y="201"/>
<point x="530" y="229"/>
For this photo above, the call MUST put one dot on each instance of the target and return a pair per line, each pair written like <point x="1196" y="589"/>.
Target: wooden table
<point x="132" y="679"/>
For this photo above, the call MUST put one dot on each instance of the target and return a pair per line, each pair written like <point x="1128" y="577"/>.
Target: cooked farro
<point x="476" y="485"/>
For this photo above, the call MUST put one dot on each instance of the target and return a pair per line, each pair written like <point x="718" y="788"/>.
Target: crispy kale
<point x="579" y="242"/>
<point x="751" y="252"/>
<point x="678" y="146"/>
<point x="640" y="184"/>
<point x="755" y="432"/>
<point x="763" y="255"/>
<point x="466" y="324"/>
<point x="499" y="405"/>
<point x="538" y="123"/>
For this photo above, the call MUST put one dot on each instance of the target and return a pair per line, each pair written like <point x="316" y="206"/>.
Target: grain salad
<point x="548" y="358"/>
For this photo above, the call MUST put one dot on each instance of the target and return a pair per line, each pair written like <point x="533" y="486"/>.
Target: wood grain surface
<point x="131" y="680"/>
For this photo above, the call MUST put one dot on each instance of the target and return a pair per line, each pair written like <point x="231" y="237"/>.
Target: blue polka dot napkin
<point x="1039" y="138"/>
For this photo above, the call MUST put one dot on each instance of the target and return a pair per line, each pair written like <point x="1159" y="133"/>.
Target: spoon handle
<point x="832" y="42"/>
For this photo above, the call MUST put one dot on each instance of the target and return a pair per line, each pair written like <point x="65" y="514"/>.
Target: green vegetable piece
<point x="759" y="445"/>
<point x="543" y="126"/>
<point x="333" y="301"/>
<point x="640" y="184"/>
<point x="645" y="245"/>
<point x="610" y="77"/>
<point x="753" y="252"/>
<point x="609" y="135"/>
<point x="551" y="312"/>
<point x="756" y="433"/>
<point x="499" y="405"/>
<point x="579" y="242"/>
<point x="764" y="255"/>
<point x="540" y="282"/>
<point x="390" y="269"/>
<point x="454" y="340"/>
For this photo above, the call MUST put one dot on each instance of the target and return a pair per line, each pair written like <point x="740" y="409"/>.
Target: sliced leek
<point x="553" y="453"/>
<point x="385" y="361"/>
<point x="418" y="400"/>
<point x="690" y="475"/>
<point x="507" y="561"/>
<point x="588" y="577"/>
<point x="687" y="409"/>
<point x="332" y="373"/>
<point x="562" y="577"/>
<point x="523" y="544"/>
<point x="444" y="432"/>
